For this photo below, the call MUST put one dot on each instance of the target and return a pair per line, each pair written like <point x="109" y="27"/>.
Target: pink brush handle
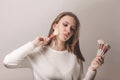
<point x="51" y="36"/>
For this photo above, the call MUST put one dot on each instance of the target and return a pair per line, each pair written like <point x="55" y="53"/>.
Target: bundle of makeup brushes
<point x="102" y="47"/>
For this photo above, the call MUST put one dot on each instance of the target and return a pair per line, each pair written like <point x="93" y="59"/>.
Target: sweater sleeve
<point x="18" y="57"/>
<point x="90" y="75"/>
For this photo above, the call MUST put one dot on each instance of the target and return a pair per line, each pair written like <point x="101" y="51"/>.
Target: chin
<point x="65" y="39"/>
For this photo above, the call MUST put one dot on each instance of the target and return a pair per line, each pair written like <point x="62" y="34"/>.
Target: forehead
<point x="69" y="20"/>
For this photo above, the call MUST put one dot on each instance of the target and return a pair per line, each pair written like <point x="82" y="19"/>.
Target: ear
<point x="54" y="26"/>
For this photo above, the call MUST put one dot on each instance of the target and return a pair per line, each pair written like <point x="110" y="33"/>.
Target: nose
<point x="68" y="30"/>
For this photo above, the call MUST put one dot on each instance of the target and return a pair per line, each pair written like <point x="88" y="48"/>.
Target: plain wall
<point x="23" y="20"/>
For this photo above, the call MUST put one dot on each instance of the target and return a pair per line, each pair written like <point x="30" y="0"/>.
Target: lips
<point x="66" y="36"/>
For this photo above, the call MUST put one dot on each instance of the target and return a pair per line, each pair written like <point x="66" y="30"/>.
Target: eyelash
<point x="72" y="29"/>
<point x="65" y="24"/>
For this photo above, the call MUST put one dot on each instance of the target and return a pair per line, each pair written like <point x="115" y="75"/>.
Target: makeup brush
<point x="46" y="40"/>
<point x="105" y="49"/>
<point x="102" y="47"/>
<point x="53" y="34"/>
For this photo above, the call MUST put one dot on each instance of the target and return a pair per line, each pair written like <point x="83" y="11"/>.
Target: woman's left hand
<point x="96" y="63"/>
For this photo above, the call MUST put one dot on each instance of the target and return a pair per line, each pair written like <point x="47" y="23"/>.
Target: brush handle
<point x="51" y="36"/>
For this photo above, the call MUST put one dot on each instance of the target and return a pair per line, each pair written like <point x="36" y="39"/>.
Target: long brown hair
<point x="73" y="42"/>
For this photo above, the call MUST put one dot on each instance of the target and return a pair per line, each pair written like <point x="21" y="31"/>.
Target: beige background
<point x="22" y="20"/>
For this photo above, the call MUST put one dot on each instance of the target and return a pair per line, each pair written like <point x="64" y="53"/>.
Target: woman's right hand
<point x="40" y="40"/>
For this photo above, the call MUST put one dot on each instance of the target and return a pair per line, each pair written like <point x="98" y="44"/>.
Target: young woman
<point x="57" y="58"/>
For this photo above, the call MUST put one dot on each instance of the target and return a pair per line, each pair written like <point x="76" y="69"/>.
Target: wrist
<point x="92" y="68"/>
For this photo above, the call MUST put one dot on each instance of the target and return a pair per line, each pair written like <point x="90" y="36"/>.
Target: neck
<point x="58" y="45"/>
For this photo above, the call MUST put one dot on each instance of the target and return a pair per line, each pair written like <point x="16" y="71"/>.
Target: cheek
<point x="60" y="29"/>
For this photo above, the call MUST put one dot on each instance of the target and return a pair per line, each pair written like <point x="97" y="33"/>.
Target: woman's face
<point x="65" y="27"/>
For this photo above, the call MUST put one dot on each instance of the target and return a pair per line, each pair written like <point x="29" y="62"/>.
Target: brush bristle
<point x="100" y="41"/>
<point x="55" y="32"/>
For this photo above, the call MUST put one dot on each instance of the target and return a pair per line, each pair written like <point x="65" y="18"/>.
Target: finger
<point x="41" y="39"/>
<point x="100" y="60"/>
<point x="100" y="57"/>
<point x="46" y="41"/>
<point x="99" y="63"/>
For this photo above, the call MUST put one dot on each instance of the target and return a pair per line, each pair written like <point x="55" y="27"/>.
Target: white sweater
<point x="47" y="64"/>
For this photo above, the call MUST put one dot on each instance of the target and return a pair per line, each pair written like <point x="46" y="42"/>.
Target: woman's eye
<point x="72" y="29"/>
<point x="65" y="24"/>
